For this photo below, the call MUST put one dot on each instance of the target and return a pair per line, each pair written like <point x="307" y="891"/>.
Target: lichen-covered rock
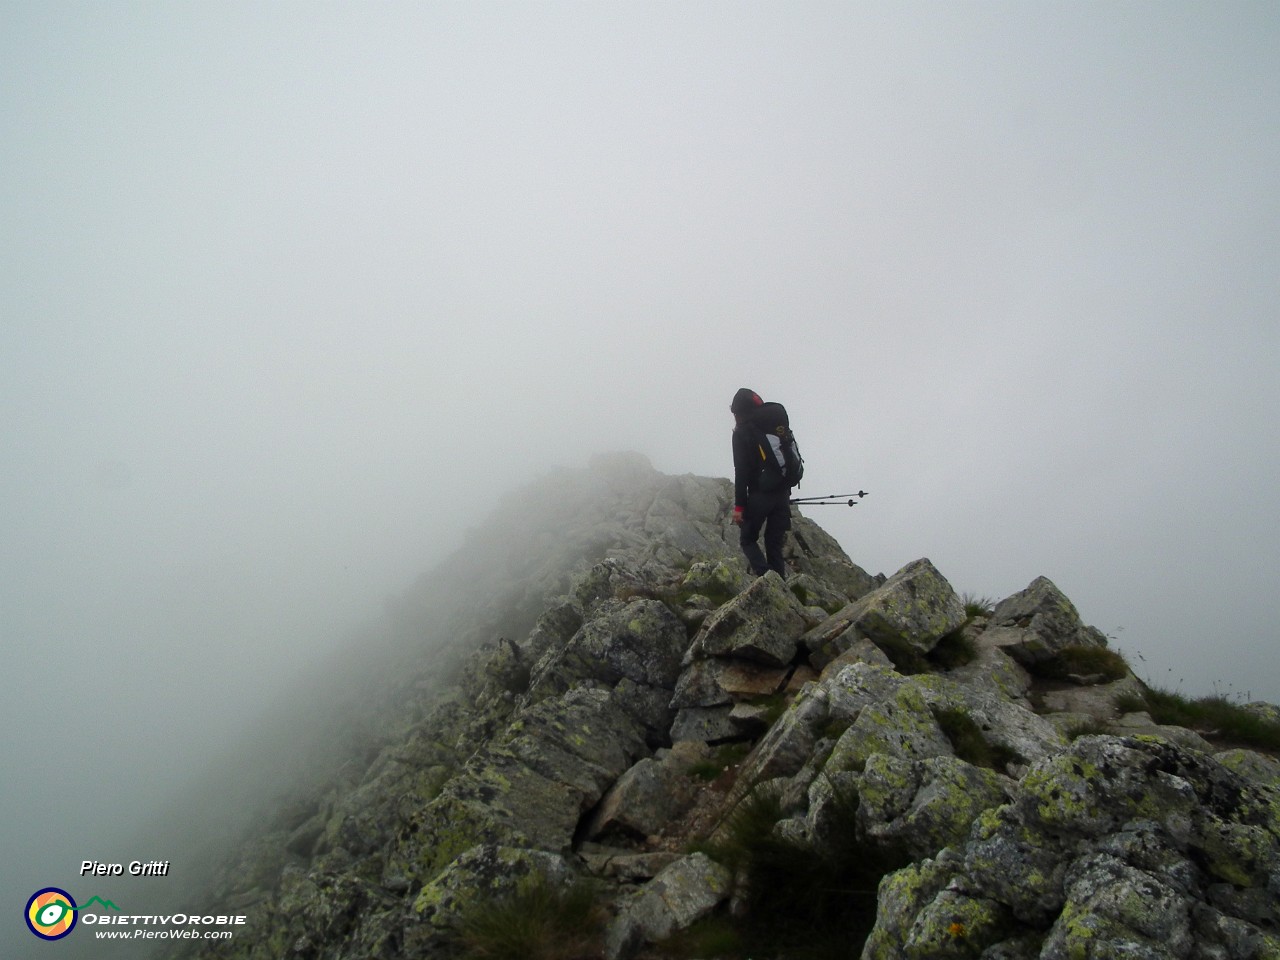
<point x="1039" y="622"/>
<point x="717" y="580"/>
<point x="1113" y="909"/>
<point x="710" y="683"/>
<point x="763" y="623"/>
<point x="920" y="806"/>
<point x="1114" y="847"/>
<point x="674" y="900"/>
<point x="858" y="685"/>
<point x="483" y="872"/>
<point x="1003" y="722"/>
<point x="1251" y="764"/>
<point x="861" y="651"/>
<point x="902" y="897"/>
<point x="554" y="628"/>
<point x="643" y="801"/>
<point x="812" y="551"/>
<point x="900" y="726"/>
<point x="1140" y="724"/>
<point x="790" y="742"/>
<point x="992" y="667"/>
<point x="529" y="787"/>
<point x="641" y="640"/>
<point x="814" y="592"/>
<point x="913" y="609"/>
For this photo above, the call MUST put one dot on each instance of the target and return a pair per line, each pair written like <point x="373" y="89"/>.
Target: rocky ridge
<point x="625" y="688"/>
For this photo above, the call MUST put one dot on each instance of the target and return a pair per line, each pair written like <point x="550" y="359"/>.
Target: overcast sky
<point x="290" y="292"/>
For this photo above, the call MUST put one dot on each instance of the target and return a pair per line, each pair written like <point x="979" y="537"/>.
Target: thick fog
<point x="290" y="293"/>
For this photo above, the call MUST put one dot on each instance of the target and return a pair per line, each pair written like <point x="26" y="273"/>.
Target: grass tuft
<point x="1215" y="717"/>
<point x="969" y="743"/>
<point x="1083" y="661"/>
<point x="540" y="921"/>
<point x="975" y="606"/>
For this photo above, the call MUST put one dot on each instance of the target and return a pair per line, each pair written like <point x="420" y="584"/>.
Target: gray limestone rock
<point x="763" y="624"/>
<point x="912" y="610"/>
<point x="1113" y="847"/>
<point x="484" y="872"/>
<point x="920" y="806"/>
<point x="790" y="742"/>
<point x="710" y="683"/>
<point x="639" y="640"/>
<point x="681" y="894"/>
<point x="643" y="801"/>
<point x="1040" y="621"/>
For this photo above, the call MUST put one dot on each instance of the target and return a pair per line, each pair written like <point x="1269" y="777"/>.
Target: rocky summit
<point x="617" y="743"/>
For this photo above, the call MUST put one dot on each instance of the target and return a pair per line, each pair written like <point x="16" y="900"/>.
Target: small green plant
<point x="1131" y="702"/>
<point x="969" y="743"/>
<point x="1083" y="661"/>
<point x="954" y="650"/>
<point x="540" y="921"/>
<point x="1086" y="728"/>
<point x="975" y="606"/>
<point x="1213" y="716"/>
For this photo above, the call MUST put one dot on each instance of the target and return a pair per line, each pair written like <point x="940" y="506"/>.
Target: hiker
<point x="761" y="485"/>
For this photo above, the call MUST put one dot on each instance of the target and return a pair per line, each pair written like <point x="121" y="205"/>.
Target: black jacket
<point x="750" y="450"/>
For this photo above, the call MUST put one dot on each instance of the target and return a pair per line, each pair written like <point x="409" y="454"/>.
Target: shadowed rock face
<point x="651" y="685"/>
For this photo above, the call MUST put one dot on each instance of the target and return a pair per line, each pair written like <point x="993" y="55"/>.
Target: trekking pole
<point x="830" y="500"/>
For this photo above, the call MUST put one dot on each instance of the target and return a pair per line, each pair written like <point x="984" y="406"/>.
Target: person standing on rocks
<point x="761" y="494"/>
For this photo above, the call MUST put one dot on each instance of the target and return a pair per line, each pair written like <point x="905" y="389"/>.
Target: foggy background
<point x="291" y="293"/>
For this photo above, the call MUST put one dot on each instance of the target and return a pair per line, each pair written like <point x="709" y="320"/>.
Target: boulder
<point x="790" y="742"/>
<point x="484" y="872"/>
<point x="640" y="640"/>
<point x="912" y="610"/>
<point x="1113" y="847"/>
<point x="644" y="800"/>
<point x="529" y="787"/>
<point x="674" y="900"/>
<point x="764" y="623"/>
<point x="709" y="725"/>
<point x="710" y="683"/>
<point x="898" y="726"/>
<point x="917" y="807"/>
<point x="1039" y="622"/>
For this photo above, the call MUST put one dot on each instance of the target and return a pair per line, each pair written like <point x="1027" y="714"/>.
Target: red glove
<point x="737" y="516"/>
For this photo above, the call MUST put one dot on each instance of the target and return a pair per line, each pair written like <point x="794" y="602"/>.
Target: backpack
<point x="782" y="465"/>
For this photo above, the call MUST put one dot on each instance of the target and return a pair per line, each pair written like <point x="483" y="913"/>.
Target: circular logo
<point x="51" y="913"/>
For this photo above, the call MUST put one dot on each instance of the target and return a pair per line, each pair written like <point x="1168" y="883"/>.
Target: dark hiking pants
<point x="770" y="512"/>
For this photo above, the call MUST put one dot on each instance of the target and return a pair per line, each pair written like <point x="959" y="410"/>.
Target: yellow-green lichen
<point x="1063" y="791"/>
